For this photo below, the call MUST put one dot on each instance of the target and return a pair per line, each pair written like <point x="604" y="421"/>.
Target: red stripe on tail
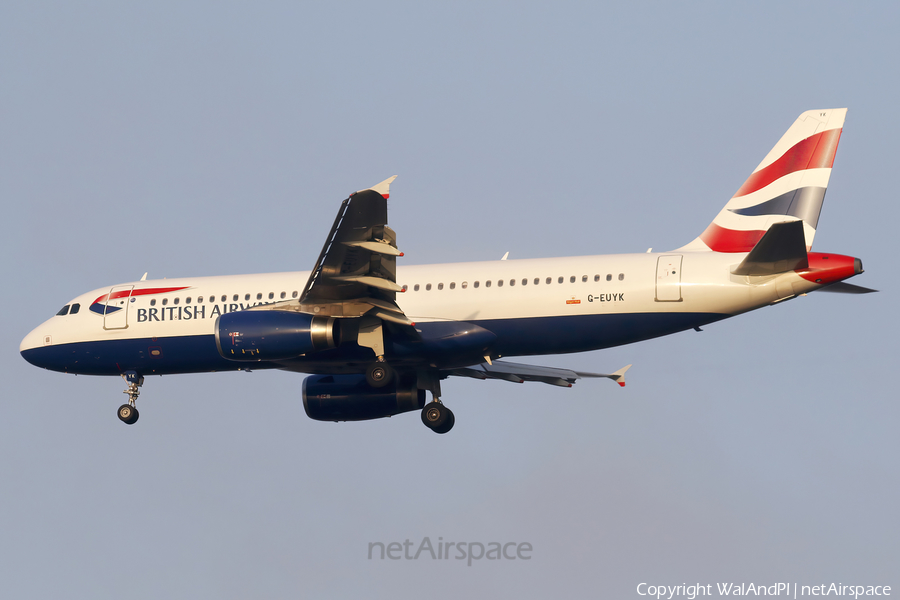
<point x="720" y="239"/>
<point x="815" y="152"/>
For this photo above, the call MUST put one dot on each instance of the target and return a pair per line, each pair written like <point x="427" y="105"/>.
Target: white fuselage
<point x="633" y="296"/>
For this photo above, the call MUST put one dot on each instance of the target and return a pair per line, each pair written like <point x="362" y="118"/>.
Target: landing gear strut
<point x="128" y="413"/>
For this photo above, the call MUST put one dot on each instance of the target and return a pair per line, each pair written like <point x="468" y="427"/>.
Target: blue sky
<point x="198" y="138"/>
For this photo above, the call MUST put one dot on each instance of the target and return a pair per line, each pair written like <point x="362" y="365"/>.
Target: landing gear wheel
<point x="379" y="374"/>
<point x="128" y="414"/>
<point x="438" y="417"/>
<point x="448" y="424"/>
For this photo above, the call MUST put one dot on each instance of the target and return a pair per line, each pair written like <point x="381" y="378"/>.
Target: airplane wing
<point x="356" y="272"/>
<point x="520" y="373"/>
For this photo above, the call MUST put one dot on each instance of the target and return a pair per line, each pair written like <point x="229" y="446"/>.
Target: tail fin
<point x="789" y="184"/>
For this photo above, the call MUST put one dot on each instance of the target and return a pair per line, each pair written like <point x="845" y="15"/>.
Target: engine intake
<point x="350" y="398"/>
<point x="255" y="335"/>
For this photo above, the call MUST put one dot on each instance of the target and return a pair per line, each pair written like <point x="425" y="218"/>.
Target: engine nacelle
<point x="350" y="398"/>
<point x="255" y="335"/>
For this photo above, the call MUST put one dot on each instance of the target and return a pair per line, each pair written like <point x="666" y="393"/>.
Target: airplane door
<point x="115" y="315"/>
<point x="668" y="278"/>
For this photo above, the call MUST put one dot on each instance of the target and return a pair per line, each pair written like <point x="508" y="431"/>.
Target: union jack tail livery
<point x="788" y="185"/>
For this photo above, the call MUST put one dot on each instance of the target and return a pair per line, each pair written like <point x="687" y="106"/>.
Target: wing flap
<point x="369" y="280"/>
<point x="380" y="247"/>
<point x="519" y="373"/>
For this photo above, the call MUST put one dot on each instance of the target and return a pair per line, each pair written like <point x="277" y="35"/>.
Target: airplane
<point x="376" y="337"/>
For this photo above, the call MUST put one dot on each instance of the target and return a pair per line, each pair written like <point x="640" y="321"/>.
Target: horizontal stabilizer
<point x="846" y="288"/>
<point x="519" y="373"/>
<point x="781" y="249"/>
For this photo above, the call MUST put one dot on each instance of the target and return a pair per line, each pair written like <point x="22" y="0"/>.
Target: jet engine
<point x="255" y="335"/>
<point x="350" y="398"/>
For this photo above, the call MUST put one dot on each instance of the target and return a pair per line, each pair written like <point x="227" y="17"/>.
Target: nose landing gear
<point x="128" y="413"/>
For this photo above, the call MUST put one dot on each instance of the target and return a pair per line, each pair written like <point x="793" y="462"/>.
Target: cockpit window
<point x="75" y="308"/>
<point x="63" y="311"/>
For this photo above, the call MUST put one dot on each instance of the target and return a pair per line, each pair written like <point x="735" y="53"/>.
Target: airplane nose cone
<point x="32" y="340"/>
<point x="31" y="346"/>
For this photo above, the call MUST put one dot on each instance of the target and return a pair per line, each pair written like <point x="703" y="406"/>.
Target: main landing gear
<point x="128" y="413"/>
<point x="435" y="415"/>
<point x="379" y="373"/>
<point x="438" y="417"/>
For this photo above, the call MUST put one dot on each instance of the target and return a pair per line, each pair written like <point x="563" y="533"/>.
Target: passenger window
<point x="175" y="301"/>
<point x="416" y="288"/>
<point x="621" y="276"/>
<point x="536" y="281"/>
<point x="63" y="311"/>
<point x="283" y="294"/>
<point x="487" y="283"/>
<point x="224" y="298"/>
<point x="405" y="287"/>
<point x="452" y="285"/>
<point x="560" y="280"/>
<point x="234" y="298"/>
<point x="187" y="300"/>
<point x="165" y="301"/>
<point x="584" y="279"/>
<point x="596" y="278"/>
<point x="465" y="284"/>
<point x="271" y="295"/>
<point x="475" y="285"/>
<point x="294" y="294"/>
<point x="549" y="281"/>
<point x="153" y="302"/>
<point x="428" y="287"/>
<point x="75" y="308"/>
<point x="259" y="295"/>
<point x="512" y="282"/>
<point x="246" y="297"/>
<point x="609" y="277"/>
<point x="199" y="299"/>
<point x="572" y="279"/>
<point x="440" y="286"/>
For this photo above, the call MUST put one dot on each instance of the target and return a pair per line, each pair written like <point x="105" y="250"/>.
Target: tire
<point x="379" y="374"/>
<point x="448" y="424"/>
<point x="127" y="414"/>
<point x="435" y="415"/>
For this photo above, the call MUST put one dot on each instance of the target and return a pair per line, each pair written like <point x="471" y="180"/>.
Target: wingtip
<point x="619" y="376"/>
<point x="383" y="188"/>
